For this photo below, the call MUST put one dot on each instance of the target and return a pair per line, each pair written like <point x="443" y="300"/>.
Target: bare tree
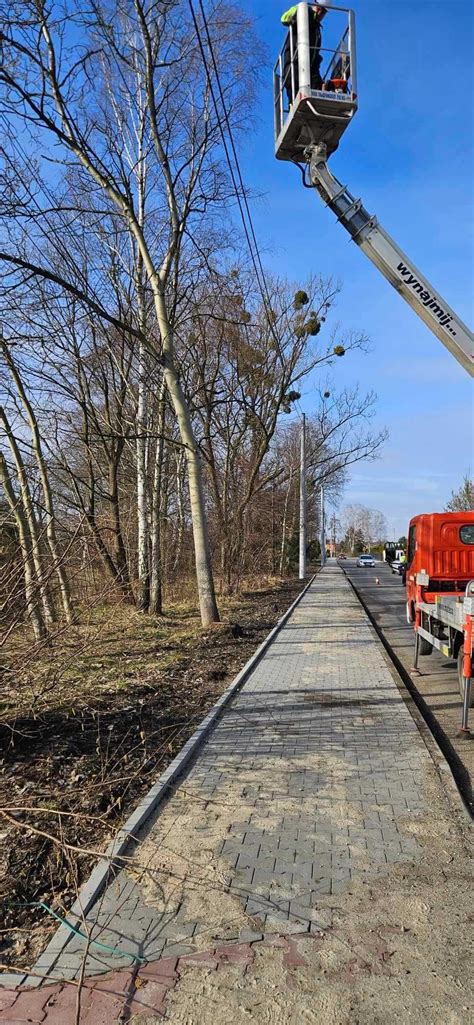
<point x="363" y="526"/>
<point x="33" y="607"/>
<point x="462" y="500"/>
<point x="59" y="567"/>
<point x="339" y="434"/>
<point x="245" y="366"/>
<point x="35" y="549"/>
<point x="159" y="379"/>
<point x="74" y="78"/>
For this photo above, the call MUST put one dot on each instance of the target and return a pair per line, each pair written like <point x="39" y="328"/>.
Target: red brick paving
<point x="235" y="953"/>
<point x="163" y="969"/>
<point x="292" y="957"/>
<point x="7" y="998"/>
<point x="205" y="958"/>
<point x="114" y="999"/>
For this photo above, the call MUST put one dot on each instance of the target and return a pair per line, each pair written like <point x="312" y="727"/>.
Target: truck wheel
<point x="461" y="678"/>
<point x="425" y="647"/>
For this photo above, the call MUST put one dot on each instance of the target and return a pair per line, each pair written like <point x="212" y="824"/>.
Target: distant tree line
<point x="364" y="530"/>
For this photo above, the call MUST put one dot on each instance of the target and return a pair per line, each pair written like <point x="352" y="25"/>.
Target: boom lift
<point x="309" y="123"/>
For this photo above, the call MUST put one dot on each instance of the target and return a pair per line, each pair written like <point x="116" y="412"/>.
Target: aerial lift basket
<point x="305" y="115"/>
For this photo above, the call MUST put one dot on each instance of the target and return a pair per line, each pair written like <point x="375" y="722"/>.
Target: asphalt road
<point x="437" y="683"/>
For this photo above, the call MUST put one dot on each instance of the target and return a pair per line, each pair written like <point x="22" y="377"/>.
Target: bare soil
<point x="86" y="727"/>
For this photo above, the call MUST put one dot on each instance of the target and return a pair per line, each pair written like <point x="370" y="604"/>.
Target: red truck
<point x="440" y="597"/>
<point x="442" y="546"/>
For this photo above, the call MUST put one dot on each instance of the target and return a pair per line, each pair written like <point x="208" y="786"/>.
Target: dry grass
<point x="112" y="648"/>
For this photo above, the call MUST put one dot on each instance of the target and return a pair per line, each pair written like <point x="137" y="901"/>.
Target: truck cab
<point x="440" y="545"/>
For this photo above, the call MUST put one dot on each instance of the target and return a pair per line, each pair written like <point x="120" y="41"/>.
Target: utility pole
<point x="322" y="534"/>
<point x="333" y="532"/>
<point x="302" y="567"/>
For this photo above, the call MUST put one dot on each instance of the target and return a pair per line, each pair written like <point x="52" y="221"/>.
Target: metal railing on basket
<point x="336" y="77"/>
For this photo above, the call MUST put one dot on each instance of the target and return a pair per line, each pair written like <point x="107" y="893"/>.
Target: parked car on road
<point x="397" y="566"/>
<point x="365" y="560"/>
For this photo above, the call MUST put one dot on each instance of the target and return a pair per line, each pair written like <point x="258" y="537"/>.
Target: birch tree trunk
<point x="143" y="595"/>
<point x="283" y="526"/>
<point x="143" y="531"/>
<point x="16" y="506"/>
<point x="156" y="586"/>
<point x="47" y="494"/>
<point x="120" y="554"/>
<point x="29" y="513"/>
<point x="179" y="491"/>
<point x="202" y="555"/>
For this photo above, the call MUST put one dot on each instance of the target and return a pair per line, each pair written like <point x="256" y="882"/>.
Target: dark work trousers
<point x="315" y="59"/>
<point x="288" y="78"/>
<point x="316" y="80"/>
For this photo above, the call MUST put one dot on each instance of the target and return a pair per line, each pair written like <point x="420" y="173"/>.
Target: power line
<point x="234" y="150"/>
<point x="240" y="193"/>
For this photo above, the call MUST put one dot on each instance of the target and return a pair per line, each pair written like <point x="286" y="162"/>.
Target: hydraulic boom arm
<point x="391" y="261"/>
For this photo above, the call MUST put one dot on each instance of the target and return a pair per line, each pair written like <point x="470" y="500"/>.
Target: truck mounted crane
<point x="309" y="123"/>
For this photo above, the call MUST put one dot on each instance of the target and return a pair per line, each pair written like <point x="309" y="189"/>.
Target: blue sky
<point x="409" y="155"/>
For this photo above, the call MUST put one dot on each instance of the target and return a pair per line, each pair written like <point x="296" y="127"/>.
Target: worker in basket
<point x="316" y="13"/>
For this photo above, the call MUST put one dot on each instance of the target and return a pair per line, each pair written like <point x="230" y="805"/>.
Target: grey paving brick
<point x="178" y="949"/>
<point x="242" y="878"/>
<point x="249" y="936"/>
<point x="266" y="876"/>
<point x="248" y="858"/>
<point x="322" y="884"/>
<point x="256" y="906"/>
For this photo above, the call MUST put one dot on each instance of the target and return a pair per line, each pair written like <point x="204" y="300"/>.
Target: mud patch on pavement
<point x="196" y="864"/>
<point x="179" y="870"/>
<point x="396" y="954"/>
<point x="335" y="700"/>
<point x="389" y="948"/>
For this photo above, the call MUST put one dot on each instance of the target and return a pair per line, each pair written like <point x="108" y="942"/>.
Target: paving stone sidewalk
<point x="306" y="783"/>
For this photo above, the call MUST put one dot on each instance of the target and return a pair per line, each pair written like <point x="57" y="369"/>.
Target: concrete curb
<point x="110" y="860"/>
<point x="417" y="707"/>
